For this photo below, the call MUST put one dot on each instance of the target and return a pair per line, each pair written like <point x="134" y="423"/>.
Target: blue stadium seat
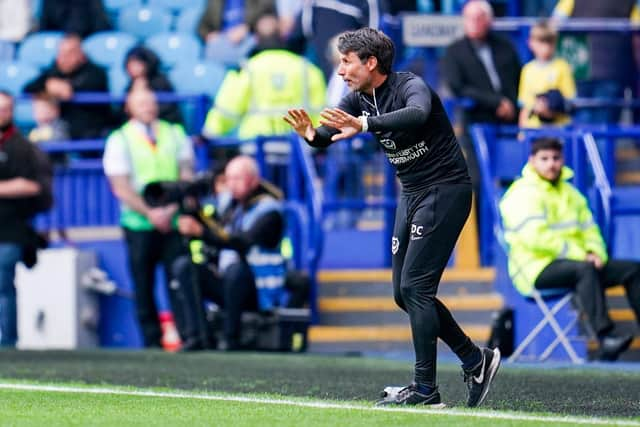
<point x="144" y="21"/>
<point x="179" y="6"/>
<point x="15" y="75"/>
<point x="114" y="7"/>
<point x="108" y="48"/>
<point x="187" y="21"/>
<point x="23" y="115"/>
<point x="223" y="51"/>
<point x="40" y="48"/>
<point x="173" y="48"/>
<point x="118" y="80"/>
<point x="7" y="51"/>
<point x="197" y="78"/>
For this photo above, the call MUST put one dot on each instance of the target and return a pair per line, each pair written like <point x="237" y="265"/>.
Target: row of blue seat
<point x="108" y="48"/>
<point x="188" y="78"/>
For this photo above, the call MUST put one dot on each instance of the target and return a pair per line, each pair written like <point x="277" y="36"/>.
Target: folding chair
<point x="550" y="302"/>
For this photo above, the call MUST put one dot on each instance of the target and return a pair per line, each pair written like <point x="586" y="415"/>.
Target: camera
<point x="186" y="194"/>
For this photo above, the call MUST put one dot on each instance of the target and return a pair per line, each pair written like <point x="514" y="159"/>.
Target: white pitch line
<point x="319" y="404"/>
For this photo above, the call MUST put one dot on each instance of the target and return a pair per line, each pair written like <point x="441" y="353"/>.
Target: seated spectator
<point x="250" y="275"/>
<point x="82" y="17"/>
<point x="143" y="68"/>
<point x="73" y="73"/>
<point x="49" y="125"/>
<point x="227" y="24"/>
<point x="546" y="83"/>
<point x="554" y="243"/>
<point x="284" y="79"/>
<point x="142" y="151"/>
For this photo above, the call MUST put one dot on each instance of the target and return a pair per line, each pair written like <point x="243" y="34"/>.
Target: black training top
<point x="410" y="123"/>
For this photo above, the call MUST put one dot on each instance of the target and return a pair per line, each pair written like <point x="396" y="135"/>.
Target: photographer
<point x="142" y="151"/>
<point x="251" y="270"/>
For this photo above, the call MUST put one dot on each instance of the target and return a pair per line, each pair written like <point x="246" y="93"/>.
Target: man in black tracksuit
<point x="410" y="123"/>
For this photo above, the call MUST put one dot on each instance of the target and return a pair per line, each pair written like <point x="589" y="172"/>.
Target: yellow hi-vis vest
<point x="149" y="163"/>
<point x="544" y="222"/>
<point x="259" y="95"/>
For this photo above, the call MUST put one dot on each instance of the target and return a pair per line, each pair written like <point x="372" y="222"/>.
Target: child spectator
<point x="546" y="81"/>
<point x="49" y="125"/>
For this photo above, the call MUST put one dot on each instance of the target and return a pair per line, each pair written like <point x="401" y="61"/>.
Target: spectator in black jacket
<point x="143" y="68"/>
<point x="18" y="186"/>
<point x="82" y="17"/>
<point x="484" y="67"/>
<point x="72" y="73"/>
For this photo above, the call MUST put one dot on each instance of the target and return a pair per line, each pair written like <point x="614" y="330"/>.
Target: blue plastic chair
<point x="118" y="81"/>
<point x="15" y="75"/>
<point x="40" y="49"/>
<point x="115" y="7"/>
<point x="179" y="6"/>
<point x="174" y="48"/>
<point x="198" y="78"/>
<point x="187" y="21"/>
<point x="108" y="48"/>
<point x="143" y="22"/>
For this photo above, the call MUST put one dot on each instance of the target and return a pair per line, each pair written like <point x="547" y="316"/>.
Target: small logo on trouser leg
<point x="395" y="245"/>
<point x="417" y="232"/>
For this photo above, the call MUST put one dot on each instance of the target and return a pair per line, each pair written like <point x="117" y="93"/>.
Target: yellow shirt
<point x="564" y="9"/>
<point x="538" y="77"/>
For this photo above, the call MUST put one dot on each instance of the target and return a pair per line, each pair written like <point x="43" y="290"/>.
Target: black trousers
<point x="234" y="292"/>
<point x="146" y="250"/>
<point x="426" y="229"/>
<point x="590" y="284"/>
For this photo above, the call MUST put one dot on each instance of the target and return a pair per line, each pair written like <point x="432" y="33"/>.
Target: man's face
<point x="240" y="182"/>
<point x="476" y="21"/>
<point x="356" y="75"/>
<point x="548" y="164"/>
<point x="142" y="106"/>
<point x="6" y="110"/>
<point x="70" y="55"/>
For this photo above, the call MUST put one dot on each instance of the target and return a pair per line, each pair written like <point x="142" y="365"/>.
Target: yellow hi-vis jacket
<point x="544" y="222"/>
<point x="259" y="95"/>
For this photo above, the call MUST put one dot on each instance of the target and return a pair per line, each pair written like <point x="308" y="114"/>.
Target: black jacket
<point x="17" y="159"/>
<point x="465" y="75"/>
<point x="267" y="231"/>
<point x="85" y="120"/>
<point x="410" y="123"/>
<point x="82" y="17"/>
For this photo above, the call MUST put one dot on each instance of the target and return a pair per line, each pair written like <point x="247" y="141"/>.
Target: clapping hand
<point x="347" y="124"/>
<point x="300" y="121"/>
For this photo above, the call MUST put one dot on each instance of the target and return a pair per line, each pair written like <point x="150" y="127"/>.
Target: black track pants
<point x="426" y="229"/>
<point x="590" y="284"/>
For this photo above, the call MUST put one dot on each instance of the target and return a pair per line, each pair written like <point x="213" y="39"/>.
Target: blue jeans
<point x="10" y="254"/>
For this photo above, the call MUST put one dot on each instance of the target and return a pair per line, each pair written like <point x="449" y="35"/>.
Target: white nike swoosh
<point x="479" y="379"/>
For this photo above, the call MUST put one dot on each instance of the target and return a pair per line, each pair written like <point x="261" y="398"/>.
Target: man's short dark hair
<point x="367" y="42"/>
<point x="6" y="93"/>
<point x="546" y="144"/>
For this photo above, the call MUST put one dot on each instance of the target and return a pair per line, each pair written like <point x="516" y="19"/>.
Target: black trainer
<point x="479" y="379"/>
<point x="410" y="395"/>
